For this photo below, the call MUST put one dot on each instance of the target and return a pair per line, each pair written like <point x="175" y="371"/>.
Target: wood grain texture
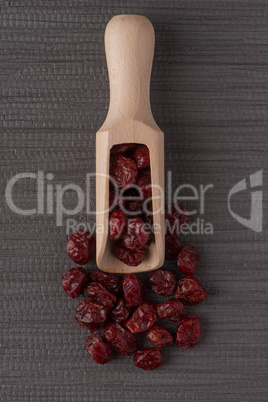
<point x="209" y="96"/>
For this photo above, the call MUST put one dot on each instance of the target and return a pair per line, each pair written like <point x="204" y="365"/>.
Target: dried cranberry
<point x="172" y="246"/>
<point x="116" y="201"/>
<point x="149" y="220"/>
<point x="188" y="259"/>
<point x="98" y="293"/>
<point x="172" y="227"/>
<point x="81" y="247"/>
<point x="74" y="281"/>
<point x="141" y="156"/>
<point x="100" y="351"/>
<point x="91" y="315"/>
<point x="134" y="206"/>
<point x="178" y="218"/>
<point x="137" y="234"/>
<point x="160" y="336"/>
<point x="129" y="257"/>
<point x="117" y="225"/>
<point x="162" y="282"/>
<point x="110" y="281"/>
<point x="121" y="312"/>
<point x="122" y="148"/>
<point x="143" y="318"/>
<point x="134" y="201"/>
<point x="188" y="332"/>
<point x="190" y="290"/>
<point x="151" y="238"/>
<point x="134" y="290"/>
<point x="144" y="183"/>
<point x="172" y="309"/>
<point x="123" y="170"/>
<point x="120" y="339"/>
<point x="148" y="359"/>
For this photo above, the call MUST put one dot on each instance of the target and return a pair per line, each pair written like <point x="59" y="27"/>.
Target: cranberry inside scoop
<point x="117" y="224"/>
<point x="141" y="156"/>
<point x="137" y="234"/>
<point x="123" y="171"/>
<point x="132" y="258"/>
<point x="123" y="148"/>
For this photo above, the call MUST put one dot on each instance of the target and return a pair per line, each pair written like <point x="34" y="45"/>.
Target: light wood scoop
<point x="129" y="46"/>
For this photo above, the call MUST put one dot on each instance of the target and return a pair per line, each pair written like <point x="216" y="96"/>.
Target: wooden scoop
<point x="129" y="46"/>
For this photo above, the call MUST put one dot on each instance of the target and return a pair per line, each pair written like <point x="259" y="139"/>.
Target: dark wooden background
<point x="209" y="95"/>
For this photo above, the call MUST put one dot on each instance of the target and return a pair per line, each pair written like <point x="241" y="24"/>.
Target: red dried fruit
<point x="91" y="315"/>
<point x="120" y="339"/>
<point x="123" y="170"/>
<point x="151" y="238"/>
<point x="133" y="200"/>
<point x="129" y="257"/>
<point x="190" y="290"/>
<point x="122" y="148"/>
<point x="110" y="281"/>
<point x="121" y="312"/>
<point x="137" y="234"/>
<point x="149" y="220"/>
<point x="134" y="290"/>
<point x="81" y="247"/>
<point x="172" y="246"/>
<point x="148" y="359"/>
<point x="172" y="310"/>
<point x="116" y="201"/>
<point x="144" y="183"/>
<point x="177" y="219"/>
<point x="74" y="281"/>
<point x="188" y="259"/>
<point x="141" y="156"/>
<point x="117" y="225"/>
<point x="96" y="292"/>
<point x="162" y="282"/>
<point x="188" y="332"/>
<point x="160" y="336"/>
<point x="134" y="206"/>
<point x="143" y="318"/>
<point x="98" y="350"/>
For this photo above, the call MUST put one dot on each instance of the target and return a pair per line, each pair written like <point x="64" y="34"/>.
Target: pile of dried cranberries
<point x="118" y="306"/>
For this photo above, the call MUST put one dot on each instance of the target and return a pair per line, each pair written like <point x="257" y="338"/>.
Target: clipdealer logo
<point x="256" y="215"/>
<point x="50" y="200"/>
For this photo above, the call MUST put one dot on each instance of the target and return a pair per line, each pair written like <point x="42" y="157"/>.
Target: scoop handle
<point x="129" y="47"/>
